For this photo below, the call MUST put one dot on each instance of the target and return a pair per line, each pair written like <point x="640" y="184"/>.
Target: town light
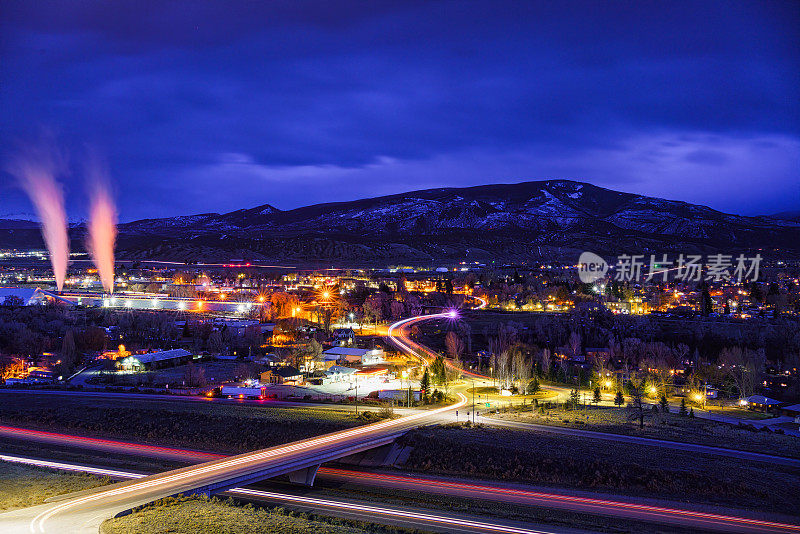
<point x="453" y="314"/>
<point x="653" y="390"/>
<point x="608" y="383"/>
<point x="697" y="397"/>
<point x="326" y="295"/>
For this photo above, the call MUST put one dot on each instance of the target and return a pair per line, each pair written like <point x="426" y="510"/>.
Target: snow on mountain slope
<point x="527" y="210"/>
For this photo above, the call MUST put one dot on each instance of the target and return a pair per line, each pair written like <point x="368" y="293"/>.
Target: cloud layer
<point x="217" y="107"/>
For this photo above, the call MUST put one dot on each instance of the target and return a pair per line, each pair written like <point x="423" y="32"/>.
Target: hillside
<point x="505" y="222"/>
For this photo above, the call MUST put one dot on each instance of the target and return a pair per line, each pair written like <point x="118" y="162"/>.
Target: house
<point x="355" y="355"/>
<point x="153" y="360"/>
<point x="344" y="336"/>
<point x="270" y="360"/>
<point x="282" y="375"/>
<point x="761" y="403"/>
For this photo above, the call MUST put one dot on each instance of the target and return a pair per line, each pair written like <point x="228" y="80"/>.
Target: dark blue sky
<point x="214" y="106"/>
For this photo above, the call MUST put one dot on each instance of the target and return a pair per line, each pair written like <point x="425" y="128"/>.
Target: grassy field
<point x="660" y="426"/>
<point x="594" y="465"/>
<point x="738" y="413"/>
<point x="215" y="372"/>
<point x="195" y="514"/>
<point x="213" y="426"/>
<point x="22" y="486"/>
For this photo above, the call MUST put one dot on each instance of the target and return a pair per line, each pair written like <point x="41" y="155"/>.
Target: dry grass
<point x="22" y="486"/>
<point x="195" y="514"/>
<point x="596" y="465"/>
<point x="213" y="426"/>
<point x="670" y="427"/>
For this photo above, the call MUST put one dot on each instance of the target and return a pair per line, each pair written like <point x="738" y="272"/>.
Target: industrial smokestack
<point x="102" y="223"/>
<point x="36" y="170"/>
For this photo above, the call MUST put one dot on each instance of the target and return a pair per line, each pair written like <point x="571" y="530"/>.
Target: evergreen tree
<point x="682" y="412"/>
<point x="597" y="398"/>
<point x="574" y="398"/>
<point x="425" y="383"/>
<point x="534" y="386"/>
<point x="619" y="400"/>
<point x="438" y="371"/>
<point x="691" y="412"/>
<point x="663" y="404"/>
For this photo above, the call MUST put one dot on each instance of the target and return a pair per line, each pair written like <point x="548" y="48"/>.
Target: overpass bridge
<point x="85" y="512"/>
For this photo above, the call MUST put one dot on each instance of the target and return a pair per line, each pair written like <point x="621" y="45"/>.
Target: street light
<point x="404" y="376"/>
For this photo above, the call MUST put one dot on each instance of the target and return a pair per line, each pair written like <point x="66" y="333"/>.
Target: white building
<point x="355" y="355"/>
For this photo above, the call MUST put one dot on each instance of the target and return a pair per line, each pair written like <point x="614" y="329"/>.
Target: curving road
<point x="399" y="334"/>
<point x="575" y="501"/>
<point x="85" y="513"/>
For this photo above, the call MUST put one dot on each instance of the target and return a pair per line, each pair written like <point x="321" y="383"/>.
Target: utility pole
<point x="356" y="398"/>
<point x="473" y="401"/>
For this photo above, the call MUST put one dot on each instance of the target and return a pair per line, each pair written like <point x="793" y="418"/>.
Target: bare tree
<point x="544" y="361"/>
<point x="574" y="344"/>
<point x="455" y="346"/>
<point x="194" y="376"/>
<point x="744" y="367"/>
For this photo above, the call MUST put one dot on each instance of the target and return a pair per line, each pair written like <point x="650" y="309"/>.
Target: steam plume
<point x="36" y="170"/>
<point x="102" y="224"/>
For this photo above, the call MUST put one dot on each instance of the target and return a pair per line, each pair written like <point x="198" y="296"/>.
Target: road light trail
<point x="429" y="485"/>
<point x="419" y="518"/>
<point x="186" y="479"/>
<point x="457" y="488"/>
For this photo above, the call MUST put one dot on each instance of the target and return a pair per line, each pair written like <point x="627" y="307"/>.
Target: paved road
<point x="366" y="511"/>
<point x="85" y="513"/>
<point x="650" y="510"/>
<point x="190" y="398"/>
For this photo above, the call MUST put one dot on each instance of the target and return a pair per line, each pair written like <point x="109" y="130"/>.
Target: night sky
<point x="205" y="106"/>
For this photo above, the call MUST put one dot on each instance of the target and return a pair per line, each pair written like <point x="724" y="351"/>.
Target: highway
<point x="404" y="517"/>
<point x="661" y="512"/>
<point x="85" y="513"/>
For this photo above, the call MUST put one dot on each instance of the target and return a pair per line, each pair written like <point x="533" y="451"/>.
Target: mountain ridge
<point x="509" y="222"/>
